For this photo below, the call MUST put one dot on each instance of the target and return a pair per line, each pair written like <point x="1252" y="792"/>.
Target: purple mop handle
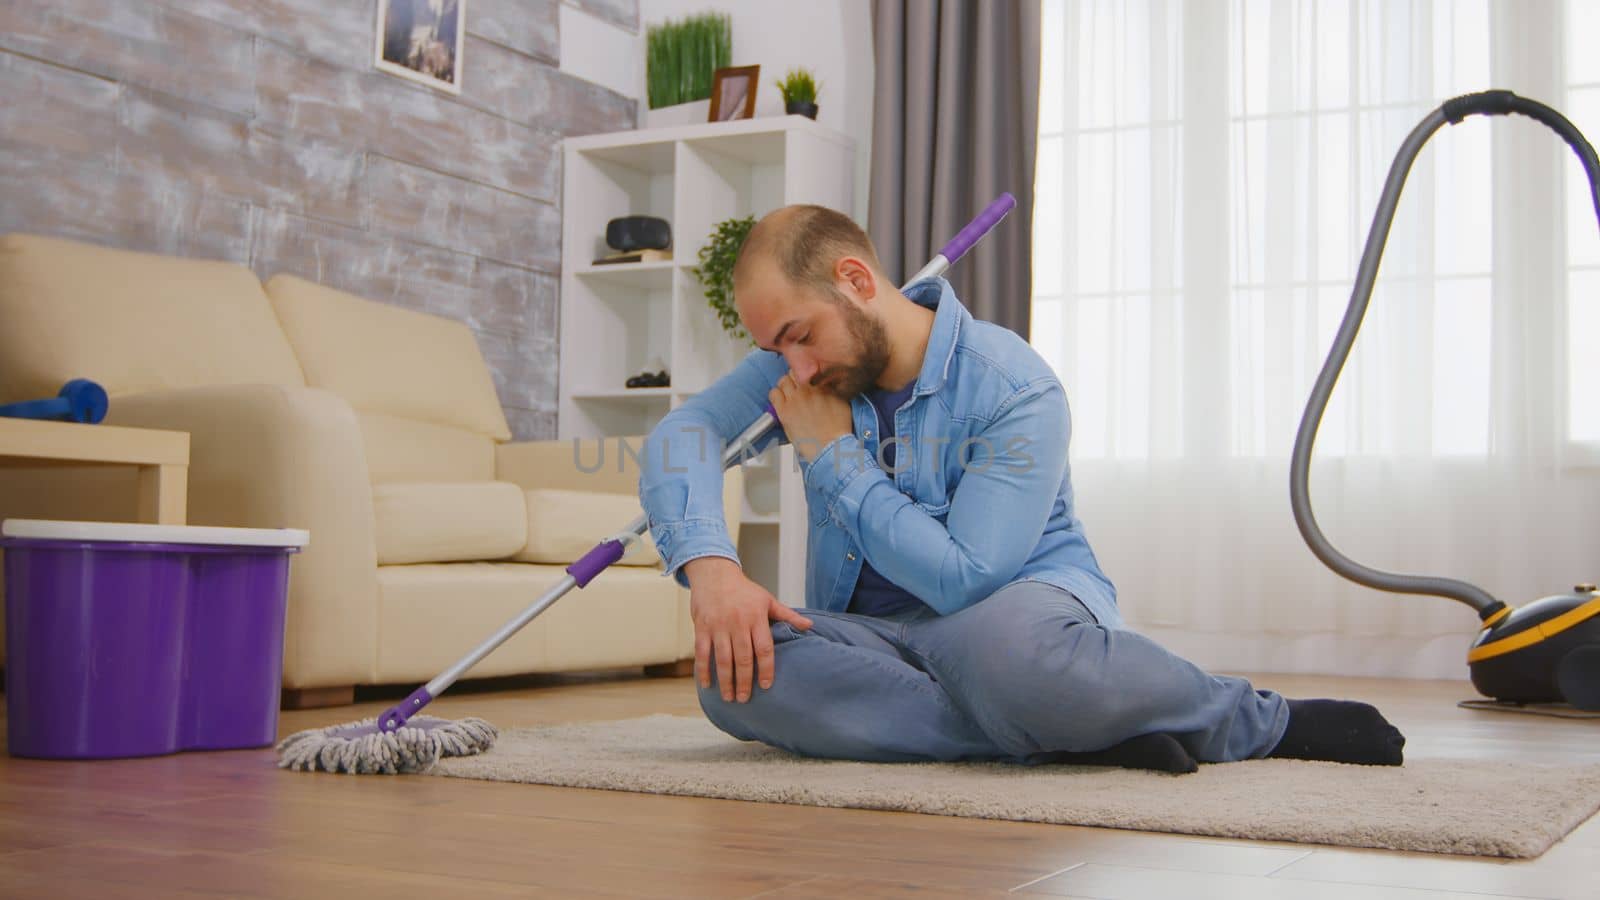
<point x="395" y="717"/>
<point x="596" y="561"/>
<point x="977" y="228"/>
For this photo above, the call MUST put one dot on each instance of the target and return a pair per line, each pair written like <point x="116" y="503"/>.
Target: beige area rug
<point x="1431" y="805"/>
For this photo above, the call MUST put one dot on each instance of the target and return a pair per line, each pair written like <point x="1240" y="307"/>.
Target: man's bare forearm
<point x="710" y="569"/>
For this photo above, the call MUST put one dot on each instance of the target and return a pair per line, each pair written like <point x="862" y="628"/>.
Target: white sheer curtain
<point x="1207" y="173"/>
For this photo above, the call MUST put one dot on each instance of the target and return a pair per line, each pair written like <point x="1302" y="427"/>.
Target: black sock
<point x="1160" y="752"/>
<point x="1340" y="731"/>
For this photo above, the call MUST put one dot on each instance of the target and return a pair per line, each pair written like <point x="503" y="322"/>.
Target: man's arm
<point x="680" y="486"/>
<point x="680" y="475"/>
<point x="996" y="516"/>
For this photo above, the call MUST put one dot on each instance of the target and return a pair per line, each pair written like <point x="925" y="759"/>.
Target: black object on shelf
<point x="649" y="380"/>
<point x="631" y="233"/>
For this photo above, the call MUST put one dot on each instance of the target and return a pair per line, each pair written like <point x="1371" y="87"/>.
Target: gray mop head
<point x="359" y="748"/>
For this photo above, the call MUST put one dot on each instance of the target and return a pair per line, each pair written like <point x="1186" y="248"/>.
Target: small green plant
<point x="680" y="57"/>
<point x="716" y="271"/>
<point x="798" y="87"/>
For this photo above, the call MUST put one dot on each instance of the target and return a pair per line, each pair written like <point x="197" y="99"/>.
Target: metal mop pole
<point x="608" y="551"/>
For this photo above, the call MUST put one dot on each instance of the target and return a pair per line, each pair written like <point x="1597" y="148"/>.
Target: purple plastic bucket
<point x="138" y="640"/>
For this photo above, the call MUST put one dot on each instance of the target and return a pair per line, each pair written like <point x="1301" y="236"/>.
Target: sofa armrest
<point x="276" y="456"/>
<point x="609" y="465"/>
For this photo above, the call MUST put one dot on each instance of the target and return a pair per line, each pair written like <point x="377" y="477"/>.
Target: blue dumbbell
<point x="80" y="400"/>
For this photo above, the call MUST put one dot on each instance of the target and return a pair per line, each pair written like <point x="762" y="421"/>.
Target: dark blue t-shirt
<point x="876" y="595"/>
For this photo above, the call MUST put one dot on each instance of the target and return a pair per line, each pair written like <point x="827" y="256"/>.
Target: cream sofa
<point x="375" y="428"/>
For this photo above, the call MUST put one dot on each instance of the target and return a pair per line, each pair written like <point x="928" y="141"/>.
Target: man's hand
<point x="732" y="616"/>
<point x="812" y="417"/>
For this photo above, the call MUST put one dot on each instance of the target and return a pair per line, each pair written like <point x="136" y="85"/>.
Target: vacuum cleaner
<point x="1549" y="650"/>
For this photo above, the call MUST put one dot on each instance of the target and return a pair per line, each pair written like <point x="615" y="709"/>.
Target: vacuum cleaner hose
<point x="1451" y="112"/>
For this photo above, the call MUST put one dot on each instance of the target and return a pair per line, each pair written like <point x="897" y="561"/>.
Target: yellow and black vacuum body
<point x="1548" y="650"/>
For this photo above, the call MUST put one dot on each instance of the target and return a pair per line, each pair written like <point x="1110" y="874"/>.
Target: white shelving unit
<point x="616" y="319"/>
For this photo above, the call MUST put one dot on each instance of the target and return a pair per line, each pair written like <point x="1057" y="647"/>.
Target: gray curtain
<point x="955" y="123"/>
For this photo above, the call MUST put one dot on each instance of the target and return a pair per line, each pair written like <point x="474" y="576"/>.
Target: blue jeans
<point x="1025" y="673"/>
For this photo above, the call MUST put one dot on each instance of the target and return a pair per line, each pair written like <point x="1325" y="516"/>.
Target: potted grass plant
<point x="680" y="59"/>
<point x="799" y="89"/>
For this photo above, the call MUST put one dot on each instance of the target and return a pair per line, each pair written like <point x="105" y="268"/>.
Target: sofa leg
<point x="317" y="698"/>
<point x="683" y="668"/>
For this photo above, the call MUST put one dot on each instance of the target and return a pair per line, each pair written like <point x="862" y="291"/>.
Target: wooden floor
<point x="231" y="824"/>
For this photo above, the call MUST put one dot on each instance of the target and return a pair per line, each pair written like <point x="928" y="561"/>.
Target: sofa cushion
<point x="442" y="522"/>
<point x="593" y="466"/>
<point x="430" y="615"/>
<point x="408" y="450"/>
<point x="384" y="359"/>
<point x="564" y="525"/>
<point x="134" y="322"/>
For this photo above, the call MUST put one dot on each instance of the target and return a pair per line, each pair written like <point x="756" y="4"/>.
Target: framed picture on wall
<point x="733" y="93"/>
<point x="422" y="40"/>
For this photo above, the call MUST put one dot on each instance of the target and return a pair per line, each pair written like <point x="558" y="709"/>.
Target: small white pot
<point x="691" y="113"/>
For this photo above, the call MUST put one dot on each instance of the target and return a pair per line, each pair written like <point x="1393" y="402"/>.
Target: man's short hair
<point x="806" y="241"/>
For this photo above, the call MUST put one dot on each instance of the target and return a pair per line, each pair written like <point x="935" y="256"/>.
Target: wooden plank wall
<point x="257" y="131"/>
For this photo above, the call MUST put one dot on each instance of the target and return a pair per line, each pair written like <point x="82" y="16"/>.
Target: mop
<point x="399" y="741"/>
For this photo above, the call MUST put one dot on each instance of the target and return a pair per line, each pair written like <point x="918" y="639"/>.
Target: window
<point x="1583" y="231"/>
<point x="1105" y="219"/>
<point x="1275" y="128"/>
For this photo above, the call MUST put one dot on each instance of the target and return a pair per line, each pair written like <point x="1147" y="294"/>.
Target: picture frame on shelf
<point x="422" y="40"/>
<point x="733" y="93"/>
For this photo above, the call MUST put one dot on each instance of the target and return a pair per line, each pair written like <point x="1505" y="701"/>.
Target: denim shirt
<point x="981" y="496"/>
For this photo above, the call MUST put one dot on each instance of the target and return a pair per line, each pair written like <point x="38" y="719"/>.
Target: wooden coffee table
<point x="161" y="456"/>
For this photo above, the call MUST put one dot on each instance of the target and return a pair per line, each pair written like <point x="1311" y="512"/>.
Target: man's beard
<point x="871" y="354"/>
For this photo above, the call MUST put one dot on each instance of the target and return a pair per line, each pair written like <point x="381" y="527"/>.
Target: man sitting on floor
<point x="954" y="608"/>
